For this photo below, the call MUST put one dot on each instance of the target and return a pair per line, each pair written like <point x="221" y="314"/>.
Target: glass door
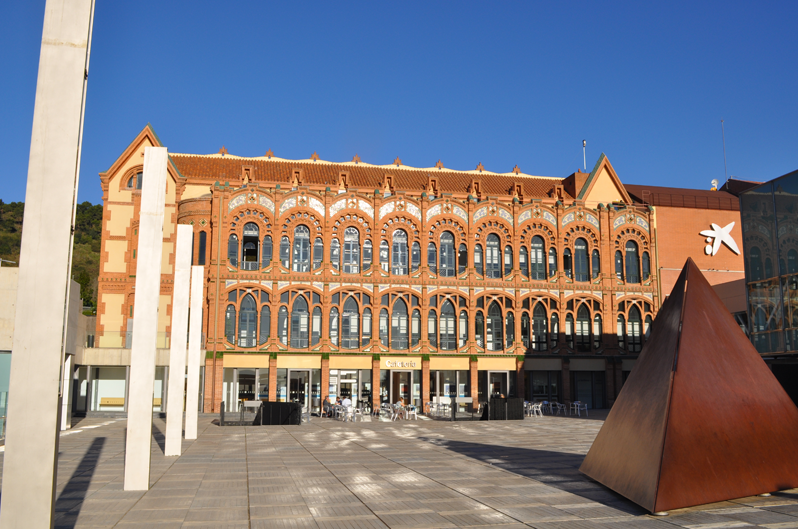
<point x="401" y="384"/>
<point x="299" y="388"/>
<point x="498" y="383"/>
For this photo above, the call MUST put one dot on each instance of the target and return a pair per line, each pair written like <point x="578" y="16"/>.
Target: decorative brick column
<point x="472" y="366"/>
<point x="272" y="378"/>
<point x="424" y="383"/>
<point x="519" y="377"/>
<point x="375" y="383"/>
<point x="325" y="377"/>
<point x="209" y="402"/>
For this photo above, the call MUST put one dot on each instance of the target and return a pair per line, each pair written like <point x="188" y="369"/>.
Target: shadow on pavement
<point x="78" y="485"/>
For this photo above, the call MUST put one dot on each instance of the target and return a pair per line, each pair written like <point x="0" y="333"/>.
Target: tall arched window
<point x="552" y="261"/>
<point x="351" y="251"/>
<point x="525" y="330"/>
<point x="597" y="331"/>
<point x="366" y="338"/>
<point x="432" y="258"/>
<point x="384" y="333"/>
<point x="635" y="334"/>
<point x="555" y="329"/>
<point x="399" y="254"/>
<point x="318" y="253"/>
<point x="448" y="330"/>
<point x="232" y="250"/>
<point x="621" y="331"/>
<point x="495" y="339"/>
<point x="315" y="327"/>
<point x="479" y="329"/>
<point x="384" y="256"/>
<point x="583" y="329"/>
<point x="647" y="329"/>
<point x="350" y="335"/>
<point x="335" y="254"/>
<point x="415" y="329"/>
<point x="508" y="260"/>
<point x="618" y="265"/>
<point x="567" y="263"/>
<point x="537" y="259"/>
<point x="249" y="255"/>
<point x="415" y="257"/>
<point x="399" y="338"/>
<point x="432" y="328"/>
<point x="265" y="324"/>
<point x="463" y="334"/>
<point x="646" y="262"/>
<point x="792" y="261"/>
<point x="768" y="267"/>
<point x="509" y="328"/>
<point x="299" y="323"/>
<point x="367" y="254"/>
<point x="632" y="263"/>
<point x="230" y="324"/>
<point x="493" y="258"/>
<point x="266" y="259"/>
<point x="569" y="330"/>
<point x="755" y="259"/>
<point x="282" y="325"/>
<point x="201" y="249"/>
<point x="301" y="257"/>
<point x="581" y="269"/>
<point x="523" y="261"/>
<point x="447" y="268"/>
<point x="285" y="251"/>
<point x="478" y="259"/>
<point x="595" y="260"/>
<point x="539" y="328"/>
<point x="462" y="259"/>
<point x="247" y="322"/>
<point x="334" y="325"/>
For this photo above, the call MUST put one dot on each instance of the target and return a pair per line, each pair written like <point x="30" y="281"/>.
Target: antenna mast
<point x="723" y="132"/>
<point x="584" y="158"/>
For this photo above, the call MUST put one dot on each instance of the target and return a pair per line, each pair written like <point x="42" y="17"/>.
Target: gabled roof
<point x="603" y="167"/>
<point x="147" y="133"/>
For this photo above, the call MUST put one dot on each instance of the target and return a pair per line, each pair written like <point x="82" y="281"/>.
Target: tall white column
<point x="145" y="315"/>
<point x="194" y="350"/>
<point x="66" y="394"/>
<point x="177" y="351"/>
<point x="31" y="448"/>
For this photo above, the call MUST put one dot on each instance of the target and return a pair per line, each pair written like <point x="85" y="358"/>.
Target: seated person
<point x="337" y="401"/>
<point x="347" y="402"/>
<point x="327" y="405"/>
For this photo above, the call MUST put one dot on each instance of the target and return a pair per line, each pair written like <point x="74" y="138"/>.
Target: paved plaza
<point x="404" y="474"/>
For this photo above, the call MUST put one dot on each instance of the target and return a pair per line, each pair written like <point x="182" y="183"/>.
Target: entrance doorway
<point x="498" y="383"/>
<point x="299" y="388"/>
<point x="401" y="384"/>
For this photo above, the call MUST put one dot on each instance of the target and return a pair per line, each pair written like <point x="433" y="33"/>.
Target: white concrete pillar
<point x="66" y="394"/>
<point x="194" y="350"/>
<point x="177" y="351"/>
<point x="145" y="314"/>
<point x="31" y="446"/>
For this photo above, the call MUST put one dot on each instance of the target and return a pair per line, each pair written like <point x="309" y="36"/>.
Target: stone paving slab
<point x="328" y="474"/>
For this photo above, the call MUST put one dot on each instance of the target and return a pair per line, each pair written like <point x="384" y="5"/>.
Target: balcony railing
<point x="124" y="340"/>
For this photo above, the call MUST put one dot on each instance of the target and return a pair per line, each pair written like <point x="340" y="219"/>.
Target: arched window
<point x="567" y="263"/>
<point x="647" y="329"/>
<point x="232" y="250"/>
<point x="508" y="260"/>
<point x="335" y="254"/>
<point x="318" y="253"/>
<point x="768" y="267"/>
<point x="537" y="259"/>
<point x="334" y="325"/>
<point x="432" y="258"/>
<point x="432" y="328"/>
<point x="249" y="255"/>
<point x="478" y="259"/>
<point x="509" y="328"/>
<point x="621" y="330"/>
<point x="632" y="263"/>
<point x="618" y="265"/>
<point x="384" y="255"/>
<point x="448" y="331"/>
<point x="366" y="254"/>
<point x="462" y="259"/>
<point x="597" y="331"/>
<point x="552" y="261"/>
<point x="399" y="254"/>
<point x="569" y="330"/>
<point x="315" y="329"/>
<point x="399" y="338"/>
<point x="299" y="323"/>
<point x="583" y="329"/>
<point x="351" y="251"/>
<point x="384" y="336"/>
<point x="266" y="259"/>
<point x="792" y="261"/>
<point x="350" y="335"/>
<point x="285" y="251"/>
<point x="201" y="250"/>
<point x="757" y="272"/>
<point x="415" y="329"/>
<point x="540" y="327"/>
<point x="492" y="258"/>
<point x="646" y="262"/>
<point x="135" y="181"/>
<point x="555" y="329"/>
<point x="230" y="324"/>
<point x="495" y="340"/>
<point x="634" y="327"/>
<point x="415" y="257"/>
<point x="479" y="329"/>
<point x="247" y="322"/>
<point x="523" y="261"/>
<point x="366" y="339"/>
<point x="581" y="269"/>
<point x="595" y="260"/>
<point x="447" y="268"/>
<point x="282" y="325"/>
<point x="525" y="331"/>
<point x="265" y="324"/>
<point x="301" y="255"/>
<point x="463" y="334"/>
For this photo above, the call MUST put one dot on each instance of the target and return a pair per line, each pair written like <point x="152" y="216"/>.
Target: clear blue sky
<point x="502" y="83"/>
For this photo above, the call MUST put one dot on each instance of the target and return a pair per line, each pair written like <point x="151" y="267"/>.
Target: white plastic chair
<point x="537" y="410"/>
<point x="411" y="411"/>
<point x="397" y="412"/>
<point x="560" y="408"/>
<point x="574" y="408"/>
<point x="582" y="408"/>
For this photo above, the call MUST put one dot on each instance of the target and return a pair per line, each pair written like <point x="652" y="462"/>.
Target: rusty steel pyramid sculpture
<point x="701" y="417"/>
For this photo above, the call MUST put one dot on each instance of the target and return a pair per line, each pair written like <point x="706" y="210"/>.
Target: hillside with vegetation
<point x="86" y="250"/>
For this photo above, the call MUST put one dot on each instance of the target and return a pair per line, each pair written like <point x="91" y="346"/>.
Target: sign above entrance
<point x="401" y="362"/>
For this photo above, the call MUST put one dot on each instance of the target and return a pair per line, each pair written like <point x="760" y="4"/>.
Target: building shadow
<point x="559" y="470"/>
<point x="71" y="497"/>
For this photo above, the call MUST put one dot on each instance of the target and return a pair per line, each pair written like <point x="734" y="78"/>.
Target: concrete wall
<point x="8" y="306"/>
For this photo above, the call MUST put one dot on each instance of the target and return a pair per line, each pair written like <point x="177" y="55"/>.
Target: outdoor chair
<point x="560" y="408"/>
<point x="397" y="412"/>
<point x="537" y="410"/>
<point x="574" y="408"/>
<point x="411" y="411"/>
<point x="582" y="407"/>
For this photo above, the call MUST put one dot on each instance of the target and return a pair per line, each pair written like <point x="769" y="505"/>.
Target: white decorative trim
<point x="282" y="284"/>
<point x="387" y="208"/>
<point x="320" y="286"/>
<point x="230" y="282"/>
<point x="505" y="215"/>
<point x="384" y="287"/>
<point x="434" y="210"/>
<point x="337" y="206"/>
<point x="366" y="208"/>
<point x="267" y="284"/>
<point x="416" y="288"/>
<point x="267" y="203"/>
<point x="316" y="205"/>
<point x="524" y="216"/>
<point x="591" y="219"/>
<point x="413" y="210"/>
<point x="287" y="204"/>
<point x="548" y="217"/>
<point x="568" y="218"/>
<point x="621" y="220"/>
<point x="334" y="286"/>
<point x="640" y="221"/>
<point x="480" y="213"/>
<point x="460" y="212"/>
<point x="235" y="202"/>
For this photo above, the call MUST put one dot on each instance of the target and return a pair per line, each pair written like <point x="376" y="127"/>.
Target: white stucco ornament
<point x="718" y="235"/>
